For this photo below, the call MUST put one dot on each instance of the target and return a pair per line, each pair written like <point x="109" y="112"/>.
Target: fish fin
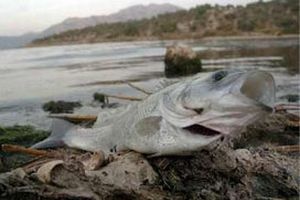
<point x="59" y="129"/>
<point x="107" y="116"/>
<point x="48" y="143"/>
<point x="162" y="84"/>
<point x="154" y="155"/>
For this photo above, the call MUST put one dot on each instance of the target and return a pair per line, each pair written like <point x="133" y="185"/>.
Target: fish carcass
<point x="177" y="120"/>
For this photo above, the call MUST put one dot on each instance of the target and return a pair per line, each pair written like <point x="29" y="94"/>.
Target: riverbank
<point x="173" y="39"/>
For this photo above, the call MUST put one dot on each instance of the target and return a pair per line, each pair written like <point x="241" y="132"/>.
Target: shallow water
<point x="31" y="76"/>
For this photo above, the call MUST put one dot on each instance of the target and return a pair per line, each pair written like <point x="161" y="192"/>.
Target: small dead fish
<point x="177" y="120"/>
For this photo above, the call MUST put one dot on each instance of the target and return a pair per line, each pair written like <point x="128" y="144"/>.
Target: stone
<point x="93" y="161"/>
<point x="129" y="171"/>
<point x="180" y="61"/>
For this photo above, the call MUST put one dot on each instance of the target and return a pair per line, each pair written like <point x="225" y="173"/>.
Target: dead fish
<point x="177" y="120"/>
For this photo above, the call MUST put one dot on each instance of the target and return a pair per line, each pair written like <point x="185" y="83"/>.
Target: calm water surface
<point x="31" y="76"/>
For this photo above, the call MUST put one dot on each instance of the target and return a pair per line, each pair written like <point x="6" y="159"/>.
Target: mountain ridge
<point x="135" y="12"/>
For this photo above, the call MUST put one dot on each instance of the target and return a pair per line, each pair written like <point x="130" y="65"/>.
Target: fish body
<point x="177" y="120"/>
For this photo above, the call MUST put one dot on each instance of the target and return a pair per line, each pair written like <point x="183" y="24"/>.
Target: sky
<point x="21" y="16"/>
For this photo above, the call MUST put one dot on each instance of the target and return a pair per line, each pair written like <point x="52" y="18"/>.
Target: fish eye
<point x="219" y="75"/>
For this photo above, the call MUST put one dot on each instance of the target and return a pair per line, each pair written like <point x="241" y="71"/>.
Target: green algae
<point x="18" y="135"/>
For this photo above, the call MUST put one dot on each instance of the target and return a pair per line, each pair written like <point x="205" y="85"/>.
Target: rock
<point x="93" y="161"/>
<point x="69" y="181"/>
<point x="180" y="61"/>
<point x="274" y="129"/>
<point x="244" y="158"/>
<point x="237" y="167"/>
<point x="129" y="171"/>
<point x="61" y="106"/>
<point x="275" y="176"/>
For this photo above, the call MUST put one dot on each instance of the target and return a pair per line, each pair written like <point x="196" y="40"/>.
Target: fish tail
<point x="56" y="139"/>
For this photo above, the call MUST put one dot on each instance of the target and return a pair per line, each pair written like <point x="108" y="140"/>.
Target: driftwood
<point x="90" y="161"/>
<point x="75" y="118"/>
<point x="20" y="149"/>
<point x="287" y="148"/>
<point x="285" y="107"/>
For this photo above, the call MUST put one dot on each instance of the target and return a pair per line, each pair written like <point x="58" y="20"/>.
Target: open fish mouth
<point x="256" y="91"/>
<point x="199" y="129"/>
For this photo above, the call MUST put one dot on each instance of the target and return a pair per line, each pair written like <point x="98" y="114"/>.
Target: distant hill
<point x="272" y="17"/>
<point x="136" y="12"/>
<point x="8" y="42"/>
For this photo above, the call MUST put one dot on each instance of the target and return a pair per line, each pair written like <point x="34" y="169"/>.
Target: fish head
<point x="222" y="103"/>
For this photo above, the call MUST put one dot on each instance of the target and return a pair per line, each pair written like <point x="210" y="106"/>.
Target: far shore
<point x="207" y="38"/>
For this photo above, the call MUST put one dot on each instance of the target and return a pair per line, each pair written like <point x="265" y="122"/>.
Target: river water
<point x="31" y="76"/>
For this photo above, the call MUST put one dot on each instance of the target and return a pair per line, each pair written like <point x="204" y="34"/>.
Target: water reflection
<point x="290" y="56"/>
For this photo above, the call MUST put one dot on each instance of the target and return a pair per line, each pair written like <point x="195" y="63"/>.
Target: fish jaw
<point x="244" y="98"/>
<point x="171" y="140"/>
<point x="251" y="97"/>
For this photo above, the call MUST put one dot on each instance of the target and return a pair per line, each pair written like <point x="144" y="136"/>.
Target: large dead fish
<point x="177" y="120"/>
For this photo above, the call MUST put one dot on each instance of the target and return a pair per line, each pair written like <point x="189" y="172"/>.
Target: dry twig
<point x="288" y="148"/>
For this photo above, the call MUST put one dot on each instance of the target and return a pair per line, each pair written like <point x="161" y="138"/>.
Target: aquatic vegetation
<point x="61" y="106"/>
<point x="21" y="135"/>
<point x="100" y="97"/>
<point x="291" y="97"/>
<point x="24" y="135"/>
